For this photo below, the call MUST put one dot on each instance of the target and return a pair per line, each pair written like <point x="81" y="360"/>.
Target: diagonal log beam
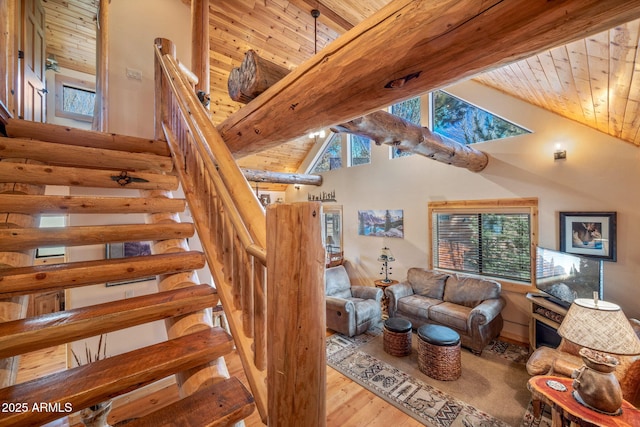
<point x="408" y="48"/>
<point x="385" y="128"/>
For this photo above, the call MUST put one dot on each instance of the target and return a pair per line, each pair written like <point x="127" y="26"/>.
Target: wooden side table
<point x="567" y="411"/>
<point x="384" y="304"/>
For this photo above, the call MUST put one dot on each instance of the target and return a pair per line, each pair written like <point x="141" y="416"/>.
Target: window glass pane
<point x="490" y="244"/>
<point x="78" y="101"/>
<point x="468" y="124"/>
<point x="360" y="150"/>
<point x="47" y="221"/>
<point x="410" y="111"/>
<point x="506" y="246"/>
<point x="331" y="157"/>
<point x="456" y="239"/>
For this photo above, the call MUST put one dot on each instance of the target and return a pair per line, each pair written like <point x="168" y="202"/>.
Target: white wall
<point x="601" y="173"/>
<point x="134" y="25"/>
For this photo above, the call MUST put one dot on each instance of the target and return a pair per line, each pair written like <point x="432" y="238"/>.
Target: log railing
<point x="231" y="224"/>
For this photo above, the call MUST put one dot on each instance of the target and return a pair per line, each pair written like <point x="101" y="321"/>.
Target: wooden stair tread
<point x="44" y="278"/>
<point x="14" y="239"/>
<point x="73" y="155"/>
<point x="47" y="330"/>
<point x="47" y="204"/>
<point x="86" y="138"/>
<point x="83" y="177"/>
<point x="102" y="380"/>
<point x="221" y="404"/>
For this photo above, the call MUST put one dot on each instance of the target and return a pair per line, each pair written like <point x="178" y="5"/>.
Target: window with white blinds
<point x="487" y="241"/>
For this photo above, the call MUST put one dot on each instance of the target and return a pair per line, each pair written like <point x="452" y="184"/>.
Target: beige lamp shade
<point x="600" y="326"/>
<point x="386" y="255"/>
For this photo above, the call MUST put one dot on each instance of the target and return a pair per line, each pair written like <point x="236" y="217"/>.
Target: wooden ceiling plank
<point x="623" y="51"/>
<point x="578" y="58"/>
<point x="452" y="40"/>
<point x="573" y="107"/>
<point x="597" y="46"/>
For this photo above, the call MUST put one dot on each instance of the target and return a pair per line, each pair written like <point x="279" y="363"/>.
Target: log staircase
<point x="73" y="158"/>
<point x="267" y="270"/>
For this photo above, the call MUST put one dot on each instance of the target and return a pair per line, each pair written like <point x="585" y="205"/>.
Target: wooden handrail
<point x="226" y="214"/>
<point x="263" y="298"/>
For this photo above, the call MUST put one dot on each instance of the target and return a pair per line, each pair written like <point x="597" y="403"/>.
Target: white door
<point x="33" y="62"/>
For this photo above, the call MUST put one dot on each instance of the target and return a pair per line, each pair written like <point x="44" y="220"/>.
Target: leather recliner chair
<point x="351" y="310"/>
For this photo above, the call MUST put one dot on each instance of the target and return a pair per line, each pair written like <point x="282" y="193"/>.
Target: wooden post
<point x="101" y="112"/>
<point x="200" y="44"/>
<point x="296" y="366"/>
<point x="161" y="87"/>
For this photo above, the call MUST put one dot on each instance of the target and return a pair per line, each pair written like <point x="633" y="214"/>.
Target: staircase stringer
<point x="195" y="379"/>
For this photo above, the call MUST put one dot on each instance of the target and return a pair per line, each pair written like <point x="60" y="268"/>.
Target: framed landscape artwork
<point x="382" y="223"/>
<point x="126" y="250"/>
<point x="591" y="234"/>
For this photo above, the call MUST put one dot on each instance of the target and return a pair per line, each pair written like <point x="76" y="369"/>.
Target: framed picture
<point x="591" y="234"/>
<point x="381" y="223"/>
<point x="126" y="250"/>
<point x="265" y="199"/>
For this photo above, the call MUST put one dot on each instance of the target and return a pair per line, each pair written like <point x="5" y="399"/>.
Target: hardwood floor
<point x="348" y="404"/>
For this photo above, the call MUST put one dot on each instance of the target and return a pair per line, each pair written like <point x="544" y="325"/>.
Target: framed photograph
<point x="591" y="234"/>
<point x="265" y="199"/>
<point x="126" y="250"/>
<point x="381" y="223"/>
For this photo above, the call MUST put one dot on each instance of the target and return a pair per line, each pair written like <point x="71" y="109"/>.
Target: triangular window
<point x="410" y="111"/>
<point x="331" y="156"/>
<point x="467" y="124"/>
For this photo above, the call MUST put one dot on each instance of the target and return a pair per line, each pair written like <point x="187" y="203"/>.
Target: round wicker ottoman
<point x="397" y="337"/>
<point x="439" y="352"/>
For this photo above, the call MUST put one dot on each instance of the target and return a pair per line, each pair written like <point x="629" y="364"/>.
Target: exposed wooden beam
<point x="281" y="177"/>
<point x="408" y="48"/>
<point x="385" y="128"/>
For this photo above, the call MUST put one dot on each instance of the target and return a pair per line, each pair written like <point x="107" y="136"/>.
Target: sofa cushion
<point x="450" y="314"/>
<point x="417" y="305"/>
<point x="469" y="291"/>
<point x="427" y="283"/>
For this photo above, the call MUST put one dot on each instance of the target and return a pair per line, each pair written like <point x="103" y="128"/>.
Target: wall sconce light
<point x="559" y="154"/>
<point x="297" y="186"/>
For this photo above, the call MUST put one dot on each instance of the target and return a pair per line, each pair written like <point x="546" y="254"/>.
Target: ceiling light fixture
<point x="315" y="13"/>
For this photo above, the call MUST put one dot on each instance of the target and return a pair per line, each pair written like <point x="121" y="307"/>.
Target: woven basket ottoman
<point x="397" y="336"/>
<point x="439" y="352"/>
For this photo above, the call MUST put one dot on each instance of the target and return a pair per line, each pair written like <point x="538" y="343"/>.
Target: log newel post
<point x="296" y="316"/>
<point x="161" y="87"/>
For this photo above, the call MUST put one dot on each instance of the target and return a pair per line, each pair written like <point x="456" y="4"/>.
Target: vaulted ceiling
<point x="594" y="81"/>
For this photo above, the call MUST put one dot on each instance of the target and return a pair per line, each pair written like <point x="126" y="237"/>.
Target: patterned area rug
<point x="413" y="396"/>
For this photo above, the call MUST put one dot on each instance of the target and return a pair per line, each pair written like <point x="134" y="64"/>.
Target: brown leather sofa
<point x="564" y="359"/>
<point x="470" y="306"/>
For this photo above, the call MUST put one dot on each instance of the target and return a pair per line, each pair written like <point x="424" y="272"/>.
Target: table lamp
<point x="602" y="329"/>
<point x="385" y="258"/>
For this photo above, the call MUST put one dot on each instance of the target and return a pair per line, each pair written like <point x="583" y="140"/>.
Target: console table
<point x="566" y="411"/>
<point x="546" y="312"/>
